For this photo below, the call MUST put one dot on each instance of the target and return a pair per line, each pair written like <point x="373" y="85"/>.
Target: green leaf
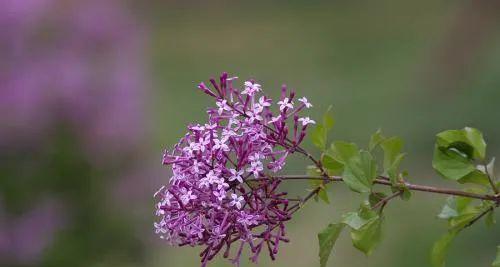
<point x="440" y="249"/>
<point x="323" y="195"/>
<point x="475" y="138"/>
<point x="376" y="139"/>
<point x="356" y="220"/>
<point x="468" y="140"/>
<point x="451" y="164"/>
<point x="490" y="219"/>
<point x="490" y="168"/>
<point x="496" y="263"/>
<point x="360" y="172"/>
<point x="376" y="197"/>
<point x="328" y="120"/>
<point x="392" y="149"/>
<point x="455" y="152"/>
<point x="327" y="239"/>
<point x="368" y="236"/>
<point x="343" y="151"/>
<point x="460" y="221"/>
<point x="318" y="137"/>
<point x="393" y="170"/>
<point x="449" y="209"/>
<point x="455" y="206"/>
<point x="475" y="177"/>
<point x="392" y="157"/>
<point x="332" y="165"/>
<point x="319" y="134"/>
<point x="406" y="194"/>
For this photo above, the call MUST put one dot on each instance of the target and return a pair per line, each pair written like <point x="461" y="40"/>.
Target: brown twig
<point x="384" y="181"/>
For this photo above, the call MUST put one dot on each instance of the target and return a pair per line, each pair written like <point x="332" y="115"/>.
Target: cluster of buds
<point x="220" y="195"/>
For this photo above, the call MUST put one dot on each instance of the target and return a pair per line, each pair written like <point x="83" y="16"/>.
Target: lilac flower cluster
<point x="219" y="193"/>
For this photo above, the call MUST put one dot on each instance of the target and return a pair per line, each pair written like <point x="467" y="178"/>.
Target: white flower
<point x="222" y="106"/>
<point x="236" y="201"/>
<point x="251" y="88"/>
<point x="274" y="119"/>
<point x="210" y="126"/>
<point x="186" y="196"/>
<point x="197" y="165"/>
<point x="204" y="182"/>
<point x="255" y="168"/>
<point x="220" y="195"/>
<point x="252" y="116"/>
<point x="197" y="127"/>
<point x="255" y="157"/>
<point x="236" y="175"/>
<point x="247" y="219"/>
<point x="306" y="103"/>
<point x="263" y="102"/>
<point x="220" y="144"/>
<point x="285" y="103"/>
<point x="305" y="121"/>
<point x="166" y="199"/>
<point x="221" y="184"/>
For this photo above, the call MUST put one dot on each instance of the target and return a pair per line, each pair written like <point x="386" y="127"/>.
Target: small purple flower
<point x="236" y="175"/>
<point x="219" y="193"/>
<point x="236" y="201"/>
<point x="305" y="121"/>
<point x="305" y="102"/>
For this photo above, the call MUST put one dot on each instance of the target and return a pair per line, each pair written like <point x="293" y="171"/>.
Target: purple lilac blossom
<point x="74" y="61"/>
<point x="221" y="195"/>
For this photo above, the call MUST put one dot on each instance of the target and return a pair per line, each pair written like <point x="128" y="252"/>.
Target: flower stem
<point x="383" y="181"/>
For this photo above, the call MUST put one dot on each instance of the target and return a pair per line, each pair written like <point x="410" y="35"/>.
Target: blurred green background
<point x="412" y="68"/>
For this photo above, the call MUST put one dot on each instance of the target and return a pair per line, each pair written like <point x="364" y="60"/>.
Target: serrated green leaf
<point x="327" y="239"/>
<point x="440" y="248"/>
<point x="360" y="172"/>
<point x="496" y="262"/>
<point x="376" y="139"/>
<point x="368" y="236"/>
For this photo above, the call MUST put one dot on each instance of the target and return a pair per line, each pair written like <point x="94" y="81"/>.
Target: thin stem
<point x="386" y="200"/>
<point x="383" y="181"/>
<point x="481" y="215"/>
<point x="490" y="179"/>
